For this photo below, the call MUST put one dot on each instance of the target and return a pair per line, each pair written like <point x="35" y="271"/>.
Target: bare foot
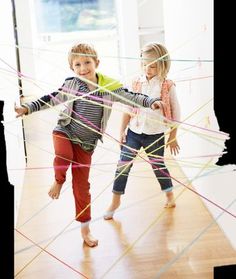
<point x="111" y="209"/>
<point x="87" y="237"/>
<point x="55" y="190"/>
<point x="170" y="200"/>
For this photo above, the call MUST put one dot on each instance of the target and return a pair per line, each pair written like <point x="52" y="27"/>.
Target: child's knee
<point x="64" y="156"/>
<point x="123" y="166"/>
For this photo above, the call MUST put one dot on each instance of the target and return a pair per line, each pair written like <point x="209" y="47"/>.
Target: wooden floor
<point x="144" y="240"/>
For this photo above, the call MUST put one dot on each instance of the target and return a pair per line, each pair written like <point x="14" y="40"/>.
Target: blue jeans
<point x="136" y="141"/>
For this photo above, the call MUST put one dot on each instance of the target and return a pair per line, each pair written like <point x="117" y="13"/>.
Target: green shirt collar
<point x="108" y="83"/>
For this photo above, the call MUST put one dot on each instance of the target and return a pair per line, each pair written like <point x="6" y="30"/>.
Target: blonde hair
<point x="158" y="51"/>
<point x="83" y="49"/>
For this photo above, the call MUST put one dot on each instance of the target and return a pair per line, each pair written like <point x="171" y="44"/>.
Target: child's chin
<point x="83" y="76"/>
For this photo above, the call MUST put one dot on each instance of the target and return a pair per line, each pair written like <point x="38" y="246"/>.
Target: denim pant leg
<point x="124" y="165"/>
<point x="158" y="164"/>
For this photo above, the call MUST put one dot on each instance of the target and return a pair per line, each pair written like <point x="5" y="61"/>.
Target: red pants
<point x="66" y="152"/>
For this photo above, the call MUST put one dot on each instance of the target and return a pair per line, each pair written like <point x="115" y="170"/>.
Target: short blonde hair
<point x="83" y="49"/>
<point x="157" y="51"/>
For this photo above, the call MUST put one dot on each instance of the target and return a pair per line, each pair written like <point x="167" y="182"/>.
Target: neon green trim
<point x="108" y="83"/>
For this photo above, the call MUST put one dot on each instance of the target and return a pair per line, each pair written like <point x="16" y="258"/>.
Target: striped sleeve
<point x="41" y="103"/>
<point x="52" y="99"/>
<point x="124" y="96"/>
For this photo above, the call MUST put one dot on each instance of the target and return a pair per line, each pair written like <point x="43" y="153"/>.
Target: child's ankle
<point x="169" y="195"/>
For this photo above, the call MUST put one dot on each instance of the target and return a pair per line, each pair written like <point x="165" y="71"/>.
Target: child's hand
<point x="174" y="147"/>
<point x="20" y="111"/>
<point x="158" y="105"/>
<point x="122" y="138"/>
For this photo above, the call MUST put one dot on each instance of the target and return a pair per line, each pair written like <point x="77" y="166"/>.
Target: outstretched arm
<point x="46" y="101"/>
<point x="124" y="96"/>
<point x="43" y="103"/>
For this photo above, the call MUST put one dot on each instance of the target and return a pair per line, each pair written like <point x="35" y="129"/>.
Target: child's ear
<point x="97" y="63"/>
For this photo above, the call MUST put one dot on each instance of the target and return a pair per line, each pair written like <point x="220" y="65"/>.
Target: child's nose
<point x="83" y="69"/>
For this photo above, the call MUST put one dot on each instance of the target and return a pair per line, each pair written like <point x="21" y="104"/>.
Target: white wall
<point x="189" y="35"/>
<point x="150" y="21"/>
<point x="25" y="28"/>
<point x="9" y="93"/>
<point x="139" y="22"/>
<point x="129" y="48"/>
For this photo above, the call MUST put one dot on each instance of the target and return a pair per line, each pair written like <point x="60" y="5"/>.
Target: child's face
<point x="149" y="68"/>
<point x="85" y="67"/>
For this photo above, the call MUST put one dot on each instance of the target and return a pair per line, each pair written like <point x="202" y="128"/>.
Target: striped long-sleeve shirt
<point x="82" y="120"/>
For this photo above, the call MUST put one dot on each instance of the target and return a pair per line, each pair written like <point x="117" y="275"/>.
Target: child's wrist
<point x="25" y="109"/>
<point x="171" y="139"/>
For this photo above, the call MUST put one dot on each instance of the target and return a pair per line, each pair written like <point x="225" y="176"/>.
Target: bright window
<point x="74" y="15"/>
